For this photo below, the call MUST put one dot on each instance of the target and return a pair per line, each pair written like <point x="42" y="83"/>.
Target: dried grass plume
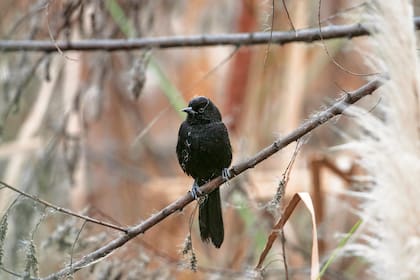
<point x="388" y="145"/>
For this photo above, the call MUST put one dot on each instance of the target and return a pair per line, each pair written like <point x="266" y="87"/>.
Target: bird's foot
<point x="226" y="174"/>
<point x="195" y="191"/>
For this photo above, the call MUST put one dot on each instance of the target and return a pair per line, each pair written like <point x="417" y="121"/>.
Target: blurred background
<point x="96" y="132"/>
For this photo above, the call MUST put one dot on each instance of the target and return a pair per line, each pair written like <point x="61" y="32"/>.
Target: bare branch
<point x="235" y="39"/>
<point x="322" y="117"/>
<point x="63" y="210"/>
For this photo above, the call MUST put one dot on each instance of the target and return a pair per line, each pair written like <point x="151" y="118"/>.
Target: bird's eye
<point x="201" y="110"/>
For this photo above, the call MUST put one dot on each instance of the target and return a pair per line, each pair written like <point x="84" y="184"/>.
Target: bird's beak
<point x="188" y="110"/>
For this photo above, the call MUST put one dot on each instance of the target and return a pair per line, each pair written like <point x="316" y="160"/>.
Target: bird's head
<point x="201" y="110"/>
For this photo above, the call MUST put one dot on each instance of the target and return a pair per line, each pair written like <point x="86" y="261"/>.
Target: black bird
<point x="204" y="153"/>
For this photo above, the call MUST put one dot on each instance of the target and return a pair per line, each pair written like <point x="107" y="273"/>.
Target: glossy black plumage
<point x="204" y="151"/>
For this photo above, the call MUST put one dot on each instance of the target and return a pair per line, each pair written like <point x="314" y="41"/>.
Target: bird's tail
<point x="211" y="220"/>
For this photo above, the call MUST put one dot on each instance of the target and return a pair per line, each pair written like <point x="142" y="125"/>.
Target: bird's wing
<point x="183" y="147"/>
<point x="210" y="150"/>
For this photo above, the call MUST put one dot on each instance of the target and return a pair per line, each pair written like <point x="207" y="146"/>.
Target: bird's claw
<point x="195" y="191"/>
<point x="226" y="174"/>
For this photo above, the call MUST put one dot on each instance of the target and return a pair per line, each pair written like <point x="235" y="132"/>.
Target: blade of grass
<point x="340" y="246"/>
<point x="117" y="14"/>
<point x="171" y="92"/>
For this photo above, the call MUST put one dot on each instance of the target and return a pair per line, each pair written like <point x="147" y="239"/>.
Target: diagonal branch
<point x="336" y="109"/>
<point x="236" y="39"/>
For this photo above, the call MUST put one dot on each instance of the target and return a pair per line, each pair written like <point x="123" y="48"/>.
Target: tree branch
<point x="236" y="39"/>
<point x="336" y="109"/>
<point x="63" y="210"/>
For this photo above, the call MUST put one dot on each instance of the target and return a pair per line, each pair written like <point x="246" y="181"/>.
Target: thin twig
<point x="278" y="198"/>
<point x="343" y="12"/>
<point x="63" y="210"/>
<point x="23" y="83"/>
<point x="53" y="40"/>
<point x="212" y="71"/>
<point x="334" y="61"/>
<point x="284" y="181"/>
<point x="75" y="242"/>
<point x="288" y="15"/>
<point x="33" y="10"/>
<point x="286" y="173"/>
<point x="179" y="204"/>
<point x="17" y="275"/>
